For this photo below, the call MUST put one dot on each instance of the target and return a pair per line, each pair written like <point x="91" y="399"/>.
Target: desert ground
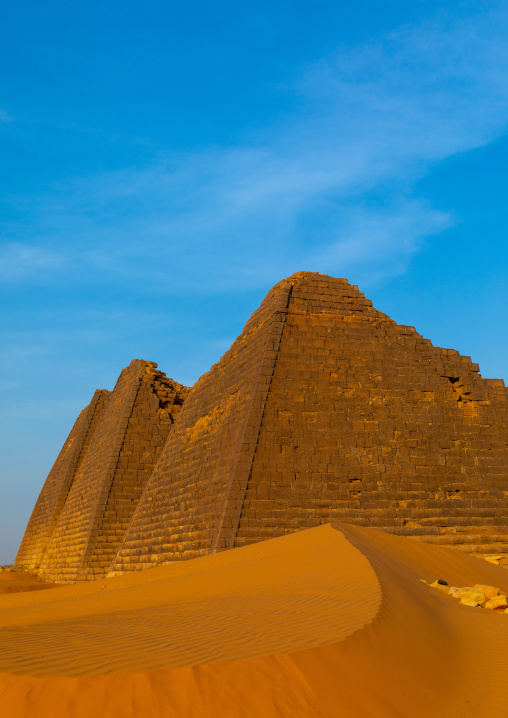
<point x="329" y="622"/>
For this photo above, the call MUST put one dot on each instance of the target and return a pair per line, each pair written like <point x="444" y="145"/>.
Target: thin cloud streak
<point x="381" y="245"/>
<point x="330" y="189"/>
<point x="18" y="260"/>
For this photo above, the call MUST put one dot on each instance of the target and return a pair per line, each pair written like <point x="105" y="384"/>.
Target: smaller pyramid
<point x="89" y="497"/>
<point x="56" y="488"/>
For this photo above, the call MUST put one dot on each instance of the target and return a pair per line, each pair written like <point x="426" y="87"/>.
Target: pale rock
<point x="470" y="602"/>
<point x="497" y="602"/>
<point x="453" y="591"/>
<point x="473" y="594"/>
<point x="490" y="591"/>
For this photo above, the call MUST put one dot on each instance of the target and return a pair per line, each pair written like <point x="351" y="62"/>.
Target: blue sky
<point x="164" y="164"/>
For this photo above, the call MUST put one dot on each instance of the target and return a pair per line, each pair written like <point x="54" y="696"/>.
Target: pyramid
<point x="54" y="493"/>
<point x="92" y="490"/>
<point x="324" y="409"/>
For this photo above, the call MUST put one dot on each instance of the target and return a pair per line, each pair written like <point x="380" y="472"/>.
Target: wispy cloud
<point x="19" y="260"/>
<point x="4" y="116"/>
<point x="330" y="188"/>
<point x="379" y="245"/>
<point x="13" y="354"/>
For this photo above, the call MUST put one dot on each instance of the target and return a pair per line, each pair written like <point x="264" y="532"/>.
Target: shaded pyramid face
<point x="92" y="490"/>
<point x="56" y="488"/>
<point x="325" y="409"/>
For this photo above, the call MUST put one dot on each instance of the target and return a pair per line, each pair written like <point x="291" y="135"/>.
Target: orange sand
<point x="329" y="622"/>
<point x="14" y="582"/>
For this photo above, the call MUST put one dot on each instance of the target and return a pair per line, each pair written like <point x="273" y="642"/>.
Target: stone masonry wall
<point x="112" y="473"/>
<point x="192" y="502"/>
<point x="54" y="493"/>
<point x="367" y="422"/>
<point x="155" y="409"/>
<point x="323" y="409"/>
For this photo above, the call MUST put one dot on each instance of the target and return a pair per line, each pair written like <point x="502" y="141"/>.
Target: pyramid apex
<point x="143" y="362"/>
<point x="309" y="276"/>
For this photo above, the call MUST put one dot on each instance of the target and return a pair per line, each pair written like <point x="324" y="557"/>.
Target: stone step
<point x="478" y="543"/>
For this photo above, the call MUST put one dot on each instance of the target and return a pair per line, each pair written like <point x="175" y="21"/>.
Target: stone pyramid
<point x="325" y="409"/>
<point x="56" y="488"/>
<point x="92" y="490"/>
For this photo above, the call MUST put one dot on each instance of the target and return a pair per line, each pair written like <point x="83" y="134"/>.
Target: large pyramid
<point x="323" y="409"/>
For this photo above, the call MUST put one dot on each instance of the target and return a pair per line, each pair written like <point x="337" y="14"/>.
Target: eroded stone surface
<point x="469" y="594"/>
<point x="489" y="591"/>
<point x="497" y="602"/>
<point x="325" y="409"/>
<point x="99" y="476"/>
<point x="478" y="596"/>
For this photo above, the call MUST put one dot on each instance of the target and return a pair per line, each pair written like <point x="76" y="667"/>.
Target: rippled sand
<point x="328" y="622"/>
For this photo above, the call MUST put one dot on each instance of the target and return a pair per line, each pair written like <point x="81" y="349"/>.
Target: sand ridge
<point x="20" y="582"/>
<point x="272" y="597"/>
<point x="361" y="636"/>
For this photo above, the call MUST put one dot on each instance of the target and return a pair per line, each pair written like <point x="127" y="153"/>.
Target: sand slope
<point x="332" y="621"/>
<point x="14" y="582"/>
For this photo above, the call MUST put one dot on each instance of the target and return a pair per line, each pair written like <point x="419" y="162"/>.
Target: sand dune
<point x="11" y="582"/>
<point x="331" y="621"/>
